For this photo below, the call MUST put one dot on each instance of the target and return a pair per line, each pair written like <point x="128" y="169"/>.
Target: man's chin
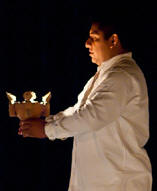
<point x="93" y="60"/>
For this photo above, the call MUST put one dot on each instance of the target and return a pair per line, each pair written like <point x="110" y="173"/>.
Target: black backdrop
<point x="42" y="49"/>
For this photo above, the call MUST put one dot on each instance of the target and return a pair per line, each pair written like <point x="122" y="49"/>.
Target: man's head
<point x="105" y="41"/>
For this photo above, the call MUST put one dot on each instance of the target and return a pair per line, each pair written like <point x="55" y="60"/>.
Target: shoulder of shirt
<point x="126" y="65"/>
<point x="125" y="72"/>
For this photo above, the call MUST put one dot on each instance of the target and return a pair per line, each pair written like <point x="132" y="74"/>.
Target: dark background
<point x="42" y="49"/>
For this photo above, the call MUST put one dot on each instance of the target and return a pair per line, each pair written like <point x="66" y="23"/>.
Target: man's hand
<point x="32" y="128"/>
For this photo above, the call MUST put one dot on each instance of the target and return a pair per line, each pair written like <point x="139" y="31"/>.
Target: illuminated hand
<point x="32" y="128"/>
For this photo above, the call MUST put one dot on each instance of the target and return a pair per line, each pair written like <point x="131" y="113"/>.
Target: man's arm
<point x="102" y="108"/>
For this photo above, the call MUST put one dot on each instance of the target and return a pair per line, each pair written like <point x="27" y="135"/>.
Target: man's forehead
<point x="94" y="29"/>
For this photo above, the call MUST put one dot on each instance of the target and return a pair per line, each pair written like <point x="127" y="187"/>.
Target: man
<point x="109" y="122"/>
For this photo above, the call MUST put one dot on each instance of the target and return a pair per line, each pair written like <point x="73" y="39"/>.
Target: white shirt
<point x="110" y="130"/>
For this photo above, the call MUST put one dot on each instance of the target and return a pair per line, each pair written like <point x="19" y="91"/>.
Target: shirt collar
<point x="109" y="63"/>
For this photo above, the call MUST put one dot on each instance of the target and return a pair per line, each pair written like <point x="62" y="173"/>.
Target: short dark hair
<point x="114" y="25"/>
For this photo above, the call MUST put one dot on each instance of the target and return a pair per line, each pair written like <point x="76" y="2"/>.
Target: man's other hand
<point x="32" y="128"/>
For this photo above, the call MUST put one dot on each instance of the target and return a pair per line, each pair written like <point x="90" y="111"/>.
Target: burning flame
<point x="11" y="97"/>
<point x="44" y="98"/>
<point x="33" y="97"/>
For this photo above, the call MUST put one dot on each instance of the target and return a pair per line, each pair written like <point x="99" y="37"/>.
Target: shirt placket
<point x="88" y="91"/>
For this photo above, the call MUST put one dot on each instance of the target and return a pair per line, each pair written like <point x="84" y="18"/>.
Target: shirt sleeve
<point x="101" y="108"/>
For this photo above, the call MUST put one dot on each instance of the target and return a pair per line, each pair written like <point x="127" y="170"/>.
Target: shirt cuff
<point x="53" y="129"/>
<point x="50" y="130"/>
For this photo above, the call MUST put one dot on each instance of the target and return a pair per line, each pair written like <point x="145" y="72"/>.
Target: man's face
<point x="99" y="48"/>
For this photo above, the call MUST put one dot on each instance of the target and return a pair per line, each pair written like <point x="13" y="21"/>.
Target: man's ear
<point x="114" y="39"/>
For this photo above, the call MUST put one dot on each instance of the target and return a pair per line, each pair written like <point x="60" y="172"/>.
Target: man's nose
<point x="88" y="43"/>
